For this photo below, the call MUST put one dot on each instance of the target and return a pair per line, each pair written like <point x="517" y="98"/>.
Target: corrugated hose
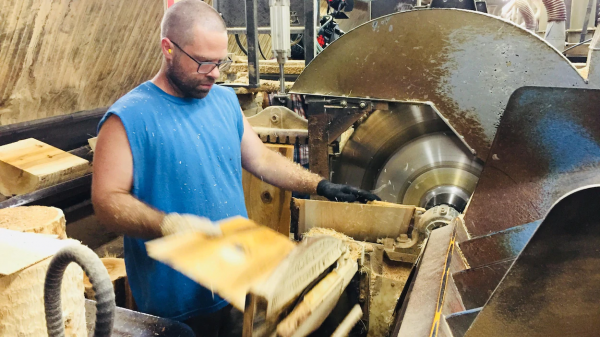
<point x="100" y="280"/>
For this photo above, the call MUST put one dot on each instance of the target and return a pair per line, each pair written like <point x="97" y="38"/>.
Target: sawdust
<point x="396" y="271"/>
<point x="356" y="248"/>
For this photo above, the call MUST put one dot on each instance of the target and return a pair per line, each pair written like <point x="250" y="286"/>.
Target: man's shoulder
<point x="139" y="97"/>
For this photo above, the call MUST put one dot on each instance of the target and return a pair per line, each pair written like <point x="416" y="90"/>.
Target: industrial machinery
<point x="432" y="123"/>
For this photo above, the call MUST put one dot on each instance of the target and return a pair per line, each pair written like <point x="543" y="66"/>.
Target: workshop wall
<point x="62" y="56"/>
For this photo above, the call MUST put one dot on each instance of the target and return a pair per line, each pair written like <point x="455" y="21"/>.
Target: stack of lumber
<point x="29" y="165"/>
<point x="25" y="260"/>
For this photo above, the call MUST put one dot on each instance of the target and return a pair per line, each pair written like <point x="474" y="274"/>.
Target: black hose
<point x="96" y="272"/>
<point x="237" y="39"/>
<point x="261" y="52"/>
<point x="239" y="43"/>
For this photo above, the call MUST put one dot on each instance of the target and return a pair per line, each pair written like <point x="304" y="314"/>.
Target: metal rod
<point x="252" y="41"/>
<point x="309" y="30"/>
<point x="281" y="79"/>
<point x="586" y="21"/>
<point x="349" y="322"/>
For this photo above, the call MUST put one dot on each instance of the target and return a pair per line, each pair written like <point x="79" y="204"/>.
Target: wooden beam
<point x="268" y="205"/>
<point x="29" y="165"/>
<point x="367" y="222"/>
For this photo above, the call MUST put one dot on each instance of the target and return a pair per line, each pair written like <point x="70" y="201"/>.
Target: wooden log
<point x="34" y="219"/>
<point x="367" y="222"/>
<point x="268" y="205"/>
<point x="29" y="165"/>
<point x="22" y="286"/>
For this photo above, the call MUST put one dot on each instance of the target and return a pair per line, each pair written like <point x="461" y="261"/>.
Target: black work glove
<point x="337" y="192"/>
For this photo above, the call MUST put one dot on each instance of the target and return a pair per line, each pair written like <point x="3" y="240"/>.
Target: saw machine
<point x="422" y="108"/>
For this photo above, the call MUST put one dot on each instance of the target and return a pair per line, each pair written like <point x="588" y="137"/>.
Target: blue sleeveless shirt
<point x="186" y="159"/>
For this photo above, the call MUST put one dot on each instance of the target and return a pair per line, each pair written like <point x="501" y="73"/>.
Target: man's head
<point x="195" y="28"/>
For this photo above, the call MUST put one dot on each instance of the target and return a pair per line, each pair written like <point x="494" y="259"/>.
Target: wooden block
<point x="22" y="285"/>
<point x="22" y="301"/>
<point x="367" y="222"/>
<point x="29" y="165"/>
<point x="92" y="142"/>
<point x="116" y="272"/>
<point x="118" y="276"/>
<point x="231" y="264"/>
<point x="268" y="205"/>
<point x="34" y="219"/>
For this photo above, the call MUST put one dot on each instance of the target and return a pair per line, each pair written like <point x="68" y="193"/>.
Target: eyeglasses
<point x="207" y="67"/>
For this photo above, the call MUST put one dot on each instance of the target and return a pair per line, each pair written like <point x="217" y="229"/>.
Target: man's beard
<point x="187" y="86"/>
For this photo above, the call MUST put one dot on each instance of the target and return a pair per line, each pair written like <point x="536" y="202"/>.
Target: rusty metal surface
<point x="476" y="285"/>
<point x="547" y="144"/>
<point x="552" y="287"/>
<point x="465" y="63"/>
<point x="461" y="321"/>
<point x="327" y="120"/>
<point x="429" y="287"/>
<point x="503" y="245"/>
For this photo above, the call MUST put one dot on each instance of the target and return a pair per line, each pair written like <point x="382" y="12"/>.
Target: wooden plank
<point x="63" y="56"/>
<point x="318" y="303"/>
<point x="367" y="222"/>
<point x="230" y="265"/>
<point x="294" y="273"/>
<point x="29" y="165"/>
<point x="20" y="250"/>
<point x="268" y="205"/>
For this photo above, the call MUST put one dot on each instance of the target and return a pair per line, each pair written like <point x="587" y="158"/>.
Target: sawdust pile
<point x="356" y="248"/>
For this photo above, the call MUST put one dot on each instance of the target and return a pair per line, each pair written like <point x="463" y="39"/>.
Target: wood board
<point x="229" y="265"/>
<point x="20" y="250"/>
<point x="362" y="222"/>
<point x="34" y="219"/>
<point x="268" y="205"/>
<point x="29" y="165"/>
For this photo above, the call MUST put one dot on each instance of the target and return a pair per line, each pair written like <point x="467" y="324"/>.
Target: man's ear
<point x="166" y="48"/>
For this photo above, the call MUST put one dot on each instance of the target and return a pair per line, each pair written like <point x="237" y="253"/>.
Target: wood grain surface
<point x="62" y="56"/>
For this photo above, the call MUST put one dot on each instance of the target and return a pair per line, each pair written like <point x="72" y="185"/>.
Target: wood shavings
<point x="356" y="248"/>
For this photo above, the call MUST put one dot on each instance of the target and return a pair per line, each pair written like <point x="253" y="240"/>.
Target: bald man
<point x="170" y="155"/>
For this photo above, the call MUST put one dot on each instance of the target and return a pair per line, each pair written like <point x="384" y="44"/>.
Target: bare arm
<point x="273" y="167"/>
<point x="115" y="207"/>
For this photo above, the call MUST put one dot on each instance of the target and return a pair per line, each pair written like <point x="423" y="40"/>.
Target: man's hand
<point x="337" y="192"/>
<point x="175" y="223"/>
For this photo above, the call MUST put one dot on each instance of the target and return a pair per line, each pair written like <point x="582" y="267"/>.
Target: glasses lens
<point x="225" y="65"/>
<point x="206" y="68"/>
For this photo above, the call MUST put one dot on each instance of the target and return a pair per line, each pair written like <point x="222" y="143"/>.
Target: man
<point x="171" y="151"/>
